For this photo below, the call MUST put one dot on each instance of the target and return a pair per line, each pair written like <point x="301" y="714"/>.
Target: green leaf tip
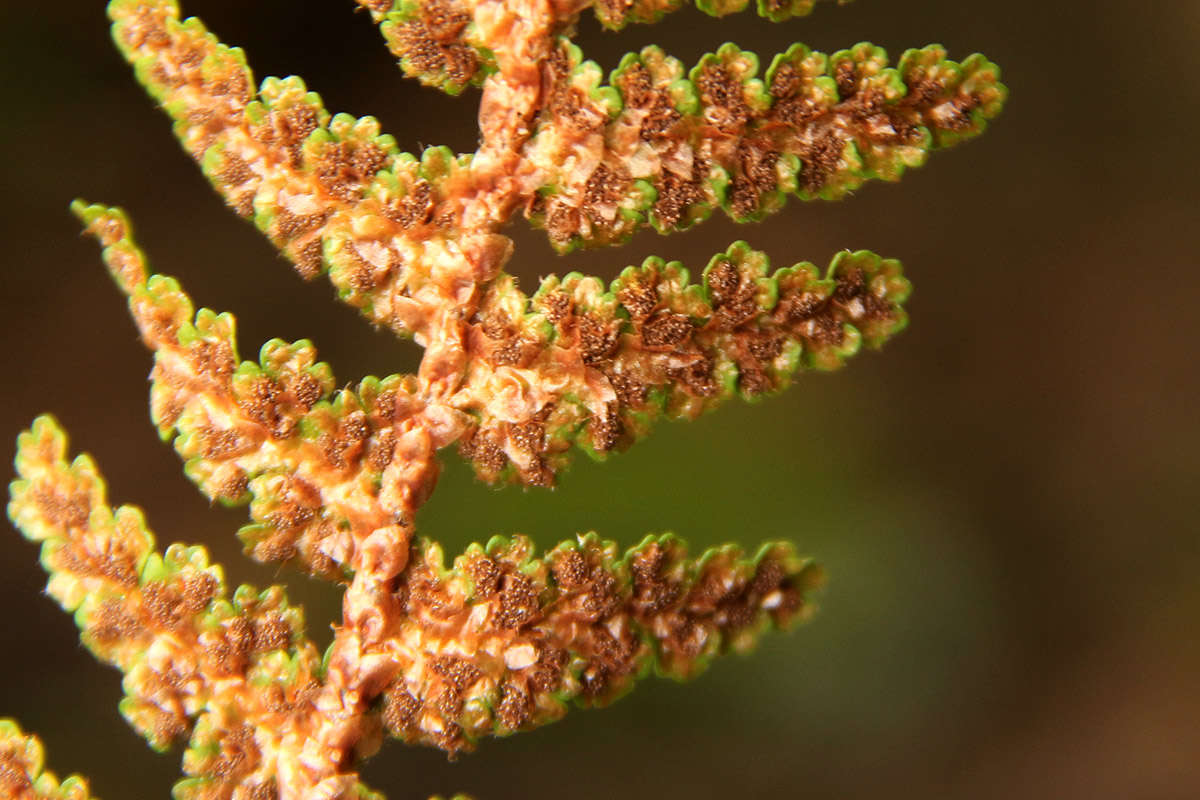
<point x="111" y="228"/>
<point x="616" y="14"/>
<point x="22" y="769"/>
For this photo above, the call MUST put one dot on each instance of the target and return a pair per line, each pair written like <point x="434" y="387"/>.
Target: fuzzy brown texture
<point x="514" y="623"/>
<point x="657" y="337"/>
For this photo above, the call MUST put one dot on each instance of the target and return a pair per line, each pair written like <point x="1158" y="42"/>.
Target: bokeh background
<point x="1004" y="499"/>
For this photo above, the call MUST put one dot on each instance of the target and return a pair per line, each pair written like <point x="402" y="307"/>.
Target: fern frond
<point x="321" y="468"/>
<point x="330" y="191"/>
<point x="165" y="620"/>
<point x="662" y="146"/>
<point x="578" y="364"/>
<point x="501" y="641"/>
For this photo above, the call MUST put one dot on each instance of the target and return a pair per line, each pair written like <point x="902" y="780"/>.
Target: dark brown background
<point x="1004" y="498"/>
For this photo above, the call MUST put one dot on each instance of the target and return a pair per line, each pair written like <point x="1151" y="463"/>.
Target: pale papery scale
<point x="350" y="498"/>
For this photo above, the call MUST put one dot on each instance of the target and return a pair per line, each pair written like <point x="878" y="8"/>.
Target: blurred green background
<point x="1004" y="499"/>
